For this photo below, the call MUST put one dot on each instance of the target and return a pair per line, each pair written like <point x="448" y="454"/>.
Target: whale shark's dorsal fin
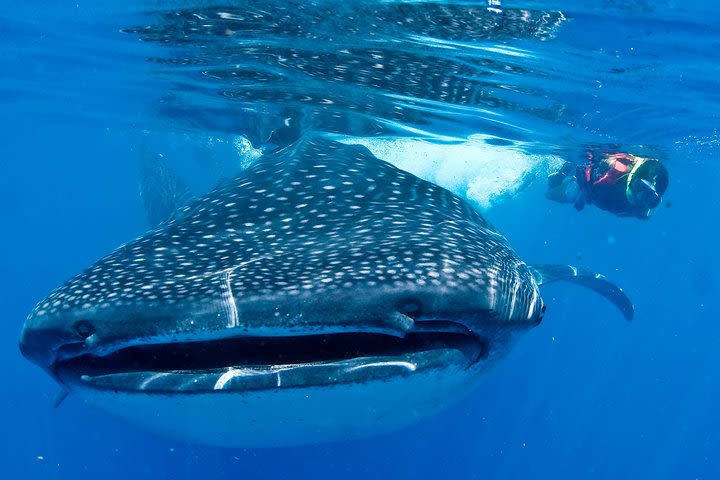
<point x="161" y="189"/>
<point x="594" y="281"/>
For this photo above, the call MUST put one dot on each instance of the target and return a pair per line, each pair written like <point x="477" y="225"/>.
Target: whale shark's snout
<point x="54" y="336"/>
<point x="321" y="294"/>
<point x="40" y="345"/>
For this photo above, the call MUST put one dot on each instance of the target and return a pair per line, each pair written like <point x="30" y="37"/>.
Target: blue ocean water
<point x="479" y="98"/>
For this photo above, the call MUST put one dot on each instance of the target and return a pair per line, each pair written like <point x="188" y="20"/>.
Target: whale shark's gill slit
<point x="229" y="306"/>
<point x="269" y="351"/>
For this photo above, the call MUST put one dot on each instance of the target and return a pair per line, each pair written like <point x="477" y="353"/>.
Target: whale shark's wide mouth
<point x="252" y="363"/>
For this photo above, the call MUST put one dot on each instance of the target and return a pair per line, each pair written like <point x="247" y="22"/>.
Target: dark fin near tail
<point x="594" y="281"/>
<point x="162" y="191"/>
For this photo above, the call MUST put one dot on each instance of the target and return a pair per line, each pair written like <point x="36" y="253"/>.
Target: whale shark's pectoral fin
<point x="61" y="396"/>
<point x="594" y="281"/>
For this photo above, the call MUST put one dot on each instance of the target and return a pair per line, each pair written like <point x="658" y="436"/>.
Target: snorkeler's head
<point x="647" y="183"/>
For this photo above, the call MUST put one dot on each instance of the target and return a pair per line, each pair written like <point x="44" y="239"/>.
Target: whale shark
<point x="321" y="294"/>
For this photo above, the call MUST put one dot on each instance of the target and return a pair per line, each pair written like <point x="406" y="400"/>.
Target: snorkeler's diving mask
<point x="642" y="185"/>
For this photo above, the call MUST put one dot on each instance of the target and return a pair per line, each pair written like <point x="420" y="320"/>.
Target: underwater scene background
<point x="482" y="98"/>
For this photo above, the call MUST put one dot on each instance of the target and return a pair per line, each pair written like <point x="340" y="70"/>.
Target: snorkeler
<point x="623" y="184"/>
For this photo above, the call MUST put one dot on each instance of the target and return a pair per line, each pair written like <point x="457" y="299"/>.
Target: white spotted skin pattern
<point x="320" y="236"/>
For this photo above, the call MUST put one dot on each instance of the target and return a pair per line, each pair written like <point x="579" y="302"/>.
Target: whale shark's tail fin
<point x="162" y="191"/>
<point x="594" y="281"/>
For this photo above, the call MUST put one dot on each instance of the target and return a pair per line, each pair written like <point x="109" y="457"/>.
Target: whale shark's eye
<point x="84" y="328"/>
<point x="410" y="307"/>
